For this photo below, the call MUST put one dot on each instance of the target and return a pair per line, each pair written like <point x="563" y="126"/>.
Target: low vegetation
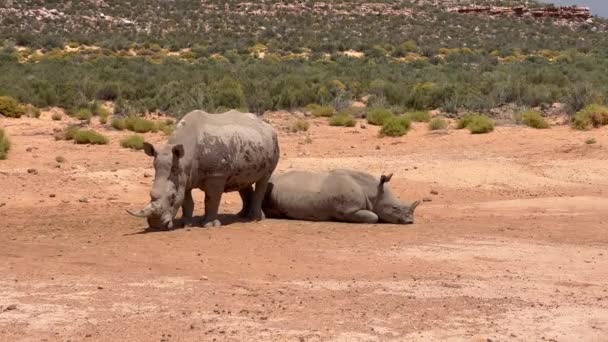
<point x="119" y="124"/>
<point x="395" y="126"/>
<point x="83" y="114"/>
<point x="33" y="112"/>
<point x="419" y="116"/>
<point x="166" y="127"/>
<point x="140" y="125"/>
<point x="590" y="141"/>
<point x="81" y="136"/>
<point x="56" y="117"/>
<point x="476" y="123"/>
<point x="377" y="116"/>
<point x="593" y="115"/>
<point x="342" y="120"/>
<point x="532" y="118"/>
<point x="5" y="144"/>
<point x="299" y="126"/>
<point x="135" y="142"/>
<point x="10" y="108"/>
<point x="437" y="124"/>
<point x="320" y="111"/>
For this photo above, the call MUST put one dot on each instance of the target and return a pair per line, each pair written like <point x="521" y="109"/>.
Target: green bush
<point x="377" y="116"/>
<point x="593" y="115"/>
<point x="10" y="108"/>
<point x="476" y="123"/>
<point x="5" y="144"/>
<point x="395" y="126"/>
<point x="140" y="125"/>
<point x="89" y="137"/>
<point x="166" y="127"/>
<point x="320" y="111"/>
<point x="135" y="142"/>
<point x="299" y="126"/>
<point x="103" y="117"/>
<point x="33" y="112"/>
<point x="56" y="116"/>
<point x="342" y="120"/>
<point x="590" y="141"/>
<point x="119" y="124"/>
<point x="532" y="118"/>
<point x="83" y="114"/>
<point x="419" y="116"/>
<point x="437" y="124"/>
<point x="70" y="131"/>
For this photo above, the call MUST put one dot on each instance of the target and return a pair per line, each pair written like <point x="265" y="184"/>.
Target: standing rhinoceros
<point x="216" y="153"/>
<point x="339" y="195"/>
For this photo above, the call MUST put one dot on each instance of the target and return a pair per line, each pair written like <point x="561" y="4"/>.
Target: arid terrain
<point x="511" y="244"/>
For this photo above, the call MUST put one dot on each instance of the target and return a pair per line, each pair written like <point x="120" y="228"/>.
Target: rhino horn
<point x="413" y="206"/>
<point x="145" y="212"/>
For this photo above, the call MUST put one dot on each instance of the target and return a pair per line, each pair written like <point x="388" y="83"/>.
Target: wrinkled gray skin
<point x="216" y="153"/>
<point x="338" y="195"/>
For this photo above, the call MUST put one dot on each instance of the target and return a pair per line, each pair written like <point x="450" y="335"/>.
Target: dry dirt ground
<point x="512" y="247"/>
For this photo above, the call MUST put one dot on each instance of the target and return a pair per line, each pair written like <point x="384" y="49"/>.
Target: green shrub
<point x="437" y="124"/>
<point x="590" y="141"/>
<point x="135" y="142"/>
<point x="5" y="144"/>
<point x="56" y="116"/>
<point x="33" y="112"/>
<point x="320" y="111"/>
<point x="10" y="108"/>
<point x="395" y="126"/>
<point x="532" y="118"/>
<point x="70" y="131"/>
<point x="299" y="126"/>
<point x="342" y="120"/>
<point x="140" y="125"/>
<point x="119" y="124"/>
<point x="89" y="137"/>
<point x="476" y="123"/>
<point x="593" y="115"/>
<point x="377" y="116"/>
<point x="83" y="114"/>
<point x="103" y="117"/>
<point x="419" y="116"/>
<point x="165" y="127"/>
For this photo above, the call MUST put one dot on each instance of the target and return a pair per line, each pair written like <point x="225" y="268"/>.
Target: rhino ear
<point x="178" y="151"/>
<point x="149" y="149"/>
<point x="385" y="178"/>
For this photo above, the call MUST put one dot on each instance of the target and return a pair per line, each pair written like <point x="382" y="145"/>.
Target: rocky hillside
<point x="291" y="26"/>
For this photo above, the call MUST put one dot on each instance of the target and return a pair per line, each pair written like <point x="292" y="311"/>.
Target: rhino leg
<point x="255" y="208"/>
<point x="214" y="189"/>
<point x="188" y="208"/>
<point x="361" y="216"/>
<point x="246" y="196"/>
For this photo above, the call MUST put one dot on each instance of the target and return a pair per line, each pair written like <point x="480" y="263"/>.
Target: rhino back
<point x="313" y="196"/>
<point x="237" y="146"/>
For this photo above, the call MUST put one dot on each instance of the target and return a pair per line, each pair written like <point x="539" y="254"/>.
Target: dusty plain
<point x="511" y="246"/>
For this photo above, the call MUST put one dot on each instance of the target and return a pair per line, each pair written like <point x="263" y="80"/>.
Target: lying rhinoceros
<point x="338" y="195"/>
<point x="216" y="153"/>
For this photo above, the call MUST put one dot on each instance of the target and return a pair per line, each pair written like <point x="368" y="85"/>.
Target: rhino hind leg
<point x="255" y="211"/>
<point x="213" y="195"/>
<point x="360" y="216"/>
<point x="246" y="197"/>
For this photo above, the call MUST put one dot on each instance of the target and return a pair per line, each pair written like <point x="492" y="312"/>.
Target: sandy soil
<point x="512" y="247"/>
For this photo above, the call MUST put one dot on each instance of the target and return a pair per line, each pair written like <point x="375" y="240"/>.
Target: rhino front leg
<point x="361" y="216"/>
<point x="255" y="208"/>
<point x="246" y="196"/>
<point x="188" y="208"/>
<point x="214" y="189"/>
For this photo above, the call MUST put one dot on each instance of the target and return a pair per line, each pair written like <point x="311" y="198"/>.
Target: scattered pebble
<point x="147" y="174"/>
<point x="100" y="287"/>
<point x="204" y="278"/>
<point x="52" y="195"/>
<point x="363" y="126"/>
<point x="427" y="199"/>
<point x="32" y="171"/>
<point x="434" y="192"/>
<point x="11" y="307"/>
<point x="83" y="200"/>
<point x="377" y="147"/>
<point x="29" y="149"/>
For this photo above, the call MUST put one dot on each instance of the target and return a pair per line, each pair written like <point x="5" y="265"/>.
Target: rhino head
<point x="391" y="210"/>
<point x="168" y="190"/>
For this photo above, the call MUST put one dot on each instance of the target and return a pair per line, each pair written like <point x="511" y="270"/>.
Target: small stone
<point x="352" y="146"/>
<point x="32" y="171"/>
<point x="434" y="192"/>
<point x="363" y="126"/>
<point x="29" y="149"/>
<point x="415" y="167"/>
<point x="52" y="195"/>
<point x="11" y="307"/>
<point x="204" y="278"/>
<point x="83" y="200"/>
<point x="377" y="147"/>
<point x="147" y="174"/>
<point x="113" y="170"/>
<point x="427" y="199"/>
<point x="100" y="287"/>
